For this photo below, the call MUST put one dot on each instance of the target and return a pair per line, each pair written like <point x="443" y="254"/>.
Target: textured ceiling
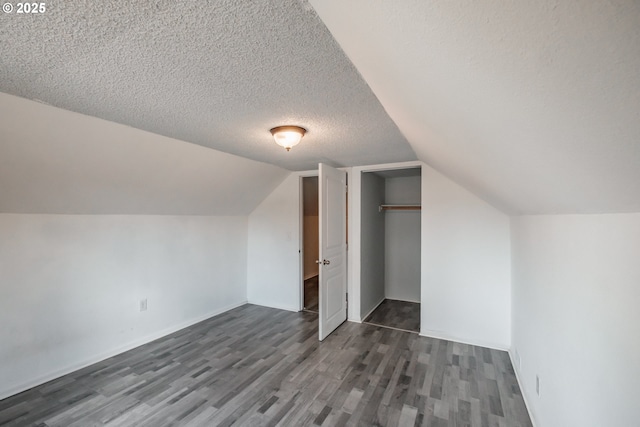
<point x="533" y="105"/>
<point x="59" y="162"/>
<point x="219" y="74"/>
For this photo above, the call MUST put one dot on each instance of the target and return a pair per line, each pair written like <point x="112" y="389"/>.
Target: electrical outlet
<point x="538" y="385"/>
<point x="143" y="304"/>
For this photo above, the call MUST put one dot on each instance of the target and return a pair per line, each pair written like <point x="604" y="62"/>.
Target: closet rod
<point x="399" y="208"/>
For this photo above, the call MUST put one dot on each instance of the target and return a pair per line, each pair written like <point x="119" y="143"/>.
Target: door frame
<point x="350" y="263"/>
<point x="307" y="174"/>
<point x="301" y="176"/>
<point x="355" y="212"/>
<point x="333" y="279"/>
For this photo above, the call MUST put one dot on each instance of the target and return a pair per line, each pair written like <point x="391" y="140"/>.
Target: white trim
<point x="306" y="174"/>
<point x="404" y="300"/>
<point x="301" y="175"/>
<point x="301" y="239"/>
<point x="443" y="336"/>
<point x="373" y="309"/>
<point x="388" y="166"/>
<point x="278" y="306"/>
<point x="353" y="250"/>
<point x="34" y="382"/>
<point x="350" y="294"/>
<point x="355" y="197"/>
<point x="521" y="385"/>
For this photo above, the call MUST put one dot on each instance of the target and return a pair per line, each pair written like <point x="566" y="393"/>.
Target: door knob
<point x="323" y="262"/>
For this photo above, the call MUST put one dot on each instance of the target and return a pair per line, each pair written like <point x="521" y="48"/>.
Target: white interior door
<point x="332" y="189"/>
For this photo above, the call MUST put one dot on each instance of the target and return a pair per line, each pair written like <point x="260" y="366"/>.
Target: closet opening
<point x="390" y="248"/>
<point x="310" y="243"/>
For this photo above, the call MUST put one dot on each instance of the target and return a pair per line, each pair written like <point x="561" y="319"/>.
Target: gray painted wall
<point x="402" y="240"/>
<point x="372" y="240"/>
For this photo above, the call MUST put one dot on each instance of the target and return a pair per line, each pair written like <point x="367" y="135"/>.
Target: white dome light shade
<point x="288" y="136"/>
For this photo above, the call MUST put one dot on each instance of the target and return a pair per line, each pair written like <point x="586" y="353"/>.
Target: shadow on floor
<point x="311" y="294"/>
<point x="396" y="314"/>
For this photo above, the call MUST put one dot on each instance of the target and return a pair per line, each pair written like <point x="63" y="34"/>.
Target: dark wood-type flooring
<point x="403" y="315"/>
<point x="311" y="294"/>
<point x="256" y="366"/>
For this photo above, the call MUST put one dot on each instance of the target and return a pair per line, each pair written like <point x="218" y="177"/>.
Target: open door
<point x="332" y="204"/>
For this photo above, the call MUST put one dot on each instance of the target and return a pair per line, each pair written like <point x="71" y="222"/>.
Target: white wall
<point x="71" y="285"/>
<point x="402" y="240"/>
<point x="576" y="322"/>
<point x="466" y="265"/>
<point x="273" y="257"/>
<point x="372" y="243"/>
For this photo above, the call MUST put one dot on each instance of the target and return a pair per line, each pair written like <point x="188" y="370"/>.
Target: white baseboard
<point x="372" y="310"/>
<point x="403" y="300"/>
<point x="521" y="385"/>
<point x="34" y="382"/>
<point x="278" y="306"/>
<point x="479" y="343"/>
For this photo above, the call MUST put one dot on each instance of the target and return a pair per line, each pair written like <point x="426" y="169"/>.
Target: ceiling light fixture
<point x="288" y="136"/>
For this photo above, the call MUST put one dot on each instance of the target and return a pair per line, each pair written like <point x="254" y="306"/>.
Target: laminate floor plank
<point x="396" y="314"/>
<point x="257" y="366"/>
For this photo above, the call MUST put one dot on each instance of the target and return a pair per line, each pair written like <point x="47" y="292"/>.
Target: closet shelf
<point x="399" y="208"/>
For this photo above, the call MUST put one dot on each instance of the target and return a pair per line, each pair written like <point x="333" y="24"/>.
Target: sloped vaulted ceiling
<point x="215" y="73"/>
<point x="534" y="105"/>
<point x="60" y="162"/>
<point x="165" y="76"/>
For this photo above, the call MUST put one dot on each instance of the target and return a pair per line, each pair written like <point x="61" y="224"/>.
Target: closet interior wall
<point x="402" y="240"/>
<point x="372" y="243"/>
<point x="390" y="239"/>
